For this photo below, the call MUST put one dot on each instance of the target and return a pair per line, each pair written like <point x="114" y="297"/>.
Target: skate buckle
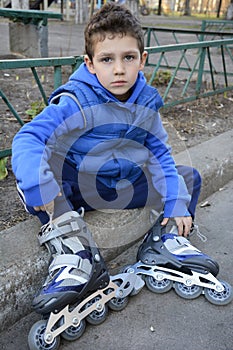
<point x="74" y="226"/>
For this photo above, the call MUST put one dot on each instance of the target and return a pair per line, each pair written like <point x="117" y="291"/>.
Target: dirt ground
<point x="187" y="125"/>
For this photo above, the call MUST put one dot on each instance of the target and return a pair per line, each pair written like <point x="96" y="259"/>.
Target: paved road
<point x="159" y="322"/>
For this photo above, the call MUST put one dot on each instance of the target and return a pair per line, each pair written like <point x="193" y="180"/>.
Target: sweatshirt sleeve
<point x="31" y="150"/>
<point x="166" y="180"/>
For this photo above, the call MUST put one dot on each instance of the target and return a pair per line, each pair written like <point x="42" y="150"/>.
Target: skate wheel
<point x="118" y="304"/>
<point x="99" y="315"/>
<point x="187" y="292"/>
<point x="74" y="333"/>
<point x="219" y="298"/>
<point x="156" y="286"/>
<point x="36" y="339"/>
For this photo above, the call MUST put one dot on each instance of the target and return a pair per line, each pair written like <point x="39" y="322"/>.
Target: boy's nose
<point x="119" y="67"/>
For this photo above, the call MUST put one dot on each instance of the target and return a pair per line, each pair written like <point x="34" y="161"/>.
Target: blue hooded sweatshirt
<point x="100" y="135"/>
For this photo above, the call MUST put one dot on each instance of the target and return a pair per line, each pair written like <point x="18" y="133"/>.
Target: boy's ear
<point x="89" y="64"/>
<point x="143" y="60"/>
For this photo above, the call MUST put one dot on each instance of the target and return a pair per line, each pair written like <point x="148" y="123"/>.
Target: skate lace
<point x="195" y="230"/>
<point x="48" y="226"/>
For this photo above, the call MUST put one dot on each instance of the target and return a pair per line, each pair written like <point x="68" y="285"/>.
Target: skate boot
<point x="75" y="261"/>
<point x="78" y="287"/>
<point x="167" y="260"/>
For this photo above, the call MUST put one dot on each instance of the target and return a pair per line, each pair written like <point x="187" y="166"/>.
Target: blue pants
<point x="98" y="196"/>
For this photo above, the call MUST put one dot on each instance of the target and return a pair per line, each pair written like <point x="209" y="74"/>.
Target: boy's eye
<point x="106" y="59"/>
<point x="129" y="58"/>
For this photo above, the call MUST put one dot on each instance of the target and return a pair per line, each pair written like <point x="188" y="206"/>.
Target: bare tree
<point x="219" y="8"/>
<point x="187" y="10"/>
<point x="160" y="7"/>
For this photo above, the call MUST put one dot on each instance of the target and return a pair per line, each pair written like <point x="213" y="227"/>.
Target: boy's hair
<point x="115" y="19"/>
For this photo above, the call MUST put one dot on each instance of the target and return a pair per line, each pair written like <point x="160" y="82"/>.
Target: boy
<point x="100" y="144"/>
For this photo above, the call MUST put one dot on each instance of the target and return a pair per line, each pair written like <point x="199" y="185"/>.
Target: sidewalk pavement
<point x="161" y="321"/>
<point x="23" y="264"/>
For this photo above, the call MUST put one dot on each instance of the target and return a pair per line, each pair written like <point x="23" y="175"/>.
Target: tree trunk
<point x="219" y="8"/>
<point x="81" y="11"/>
<point x="187" y="11"/>
<point x="92" y="7"/>
<point x="229" y="14"/>
<point x="160" y="8"/>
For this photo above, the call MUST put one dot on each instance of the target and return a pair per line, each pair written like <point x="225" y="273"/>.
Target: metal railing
<point x="33" y="65"/>
<point x="197" y="69"/>
<point x="223" y="27"/>
<point x="210" y="30"/>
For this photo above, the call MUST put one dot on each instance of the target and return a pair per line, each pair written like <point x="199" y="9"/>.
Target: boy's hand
<point x="184" y="224"/>
<point x="49" y="207"/>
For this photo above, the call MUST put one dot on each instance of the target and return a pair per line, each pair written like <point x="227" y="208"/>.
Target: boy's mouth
<point x="118" y="83"/>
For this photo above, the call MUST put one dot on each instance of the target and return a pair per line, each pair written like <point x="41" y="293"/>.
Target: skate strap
<point x="71" y="261"/>
<point x="67" y="227"/>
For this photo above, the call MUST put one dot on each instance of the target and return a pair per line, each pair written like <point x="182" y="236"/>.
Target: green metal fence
<point x="222" y="27"/>
<point x="30" y="67"/>
<point x="196" y="70"/>
<point x="210" y="30"/>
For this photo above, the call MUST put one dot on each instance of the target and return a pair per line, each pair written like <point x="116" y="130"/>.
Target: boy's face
<point x="116" y="63"/>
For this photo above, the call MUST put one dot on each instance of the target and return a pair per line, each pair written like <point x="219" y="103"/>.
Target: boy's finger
<point x="165" y="221"/>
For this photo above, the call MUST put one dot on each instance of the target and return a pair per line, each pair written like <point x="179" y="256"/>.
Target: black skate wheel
<point x="36" y="339"/>
<point x="156" y="286"/>
<point x="187" y="292"/>
<point x="99" y="315"/>
<point x="118" y="304"/>
<point x="74" y="333"/>
<point x="219" y="298"/>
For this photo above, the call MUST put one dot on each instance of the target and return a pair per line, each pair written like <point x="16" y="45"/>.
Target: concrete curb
<point x="23" y="264"/>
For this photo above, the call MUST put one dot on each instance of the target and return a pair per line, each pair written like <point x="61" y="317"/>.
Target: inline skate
<point x="166" y="260"/>
<point x="78" y="287"/>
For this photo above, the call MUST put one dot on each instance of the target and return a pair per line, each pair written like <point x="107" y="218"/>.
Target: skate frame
<point x="160" y="273"/>
<point x="59" y="322"/>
